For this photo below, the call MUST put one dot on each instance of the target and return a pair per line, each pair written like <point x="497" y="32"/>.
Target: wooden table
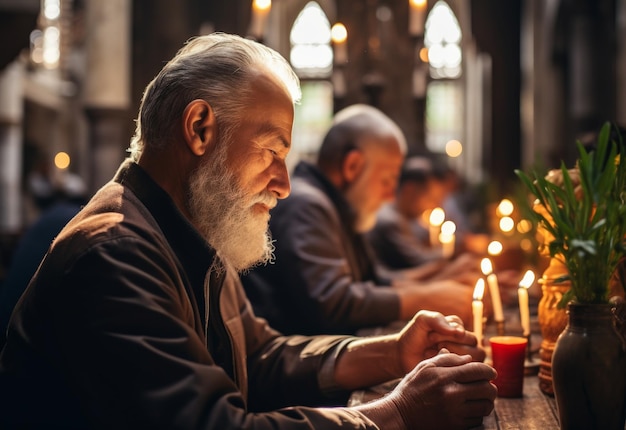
<point x="534" y="410"/>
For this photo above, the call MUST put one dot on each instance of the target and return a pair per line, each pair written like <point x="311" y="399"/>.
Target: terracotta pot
<point x="552" y="320"/>
<point x="589" y="370"/>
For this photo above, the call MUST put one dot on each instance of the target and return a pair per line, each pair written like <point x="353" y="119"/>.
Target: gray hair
<point x="351" y="129"/>
<point x="217" y="68"/>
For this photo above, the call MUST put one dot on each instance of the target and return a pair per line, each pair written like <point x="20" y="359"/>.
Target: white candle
<point x="339" y="36"/>
<point x="447" y="244"/>
<point x="522" y="294"/>
<point x="447" y="239"/>
<point x="417" y="10"/>
<point x="436" y="218"/>
<point x="477" y="310"/>
<point x="260" y="11"/>
<point x="494" y="289"/>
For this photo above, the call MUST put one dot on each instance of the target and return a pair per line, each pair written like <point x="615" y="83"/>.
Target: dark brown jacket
<point x="323" y="280"/>
<point x="121" y="329"/>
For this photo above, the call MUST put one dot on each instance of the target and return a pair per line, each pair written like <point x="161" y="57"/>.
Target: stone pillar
<point x="11" y="113"/>
<point x="107" y="86"/>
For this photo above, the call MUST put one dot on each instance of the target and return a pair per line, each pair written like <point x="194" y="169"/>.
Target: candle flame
<point x="528" y="279"/>
<point x="479" y="289"/>
<point x="437" y="216"/>
<point x="448" y="228"/>
<point x="262" y="4"/>
<point x="505" y="208"/>
<point x="494" y="247"/>
<point x="485" y="266"/>
<point x="418" y="3"/>
<point x="506" y="224"/>
<point x="446" y="238"/>
<point x="338" y="33"/>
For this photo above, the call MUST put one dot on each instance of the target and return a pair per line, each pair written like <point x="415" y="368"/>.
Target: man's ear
<point x="199" y="128"/>
<point x="352" y="165"/>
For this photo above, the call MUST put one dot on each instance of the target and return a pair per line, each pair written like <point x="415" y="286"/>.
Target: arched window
<point x="444" y="97"/>
<point x="312" y="58"/>
<point x="311" y="54"/>
<point x="443" y="40"/>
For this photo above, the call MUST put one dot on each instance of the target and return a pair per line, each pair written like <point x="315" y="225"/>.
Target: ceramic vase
<point x="589" y="370"/>
<point x="552" y="320"/>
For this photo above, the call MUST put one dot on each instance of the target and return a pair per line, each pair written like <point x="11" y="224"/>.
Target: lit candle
<point x="494" y="288"/>
<point x="339" y="36"/>
<point x="477" y="309"/>
<point x="417" y="10"/>
<point x="494" y="248"/>
<point x="505" y="208"/>
<point x="522" y="294"/>
<point x="260" y="11"/>
<point x="447" y="239"/>
<point x="436" y="218"/>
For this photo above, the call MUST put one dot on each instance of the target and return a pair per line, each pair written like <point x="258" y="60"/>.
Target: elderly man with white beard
<point x="137" y="318"/>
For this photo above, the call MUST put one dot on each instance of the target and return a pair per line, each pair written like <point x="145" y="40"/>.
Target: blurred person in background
<point x="394" y="240"/>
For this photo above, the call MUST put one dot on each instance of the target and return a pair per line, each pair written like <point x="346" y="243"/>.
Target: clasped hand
<point x="446" y="384"/>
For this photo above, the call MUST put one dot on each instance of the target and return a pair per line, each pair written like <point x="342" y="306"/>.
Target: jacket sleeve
<point x="122" y="327"/>
<point x="312" y="257"/>
<point x="283" y="370"/>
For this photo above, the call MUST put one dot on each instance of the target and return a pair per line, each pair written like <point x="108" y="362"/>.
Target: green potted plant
<point x="583" y="210"/>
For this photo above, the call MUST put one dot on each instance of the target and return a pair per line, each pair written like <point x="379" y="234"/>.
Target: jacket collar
<point x="314" y="176"/>
<point x="194" y="253"/>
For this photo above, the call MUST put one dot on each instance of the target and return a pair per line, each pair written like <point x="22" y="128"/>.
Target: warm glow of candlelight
<point x="260" y="12"/>
<point x="448" y="228"/>
<point x="524" y="226"/>
<point x="339" y="36"/>
<point x="479" y="289"/>
<point x="527" y="279"/>
<point x="262" y="5"/>
<point x="417" y="11"/>
<point x="494" y="289"/>
<point x="507" y="224"/>
<point x="485" y="266"/>
<point x="338" y="33"/>
<point x="62" y="160"/>
<point x="477" y="310"/>
<point x="423" y="54"/>
<point x="522" y="295"/>
<point x="447" y="243"/>
<point x="494" y="248"/>
<point x="505" y="208"/>
<point x="437" y="216"/>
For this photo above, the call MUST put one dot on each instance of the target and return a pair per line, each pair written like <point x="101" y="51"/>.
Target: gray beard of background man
<point x="223" y="213"/>
<point x="355" y="195"/>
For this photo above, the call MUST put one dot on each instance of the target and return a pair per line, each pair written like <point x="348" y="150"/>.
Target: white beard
<point x="224" y="215"/>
